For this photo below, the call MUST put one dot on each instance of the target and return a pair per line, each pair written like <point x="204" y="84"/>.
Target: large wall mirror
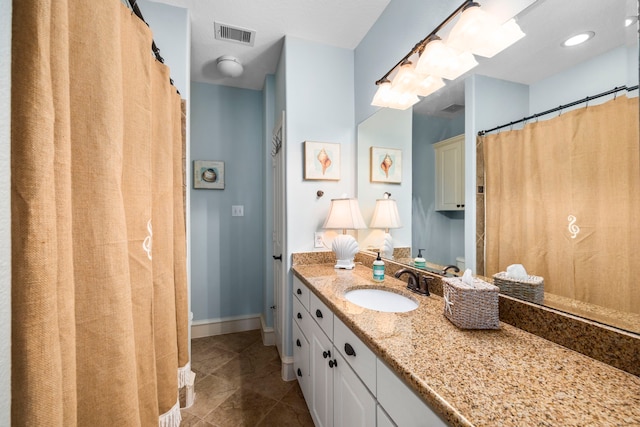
<point x="534" y="75"/>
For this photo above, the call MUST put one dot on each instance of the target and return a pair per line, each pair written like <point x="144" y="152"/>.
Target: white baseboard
<point x="268" y="334"/>
<point x="228" y="325"/>
<point x="287" y="369"/>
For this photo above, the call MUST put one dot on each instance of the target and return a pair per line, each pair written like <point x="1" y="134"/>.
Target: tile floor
<point x="238" y="383"/>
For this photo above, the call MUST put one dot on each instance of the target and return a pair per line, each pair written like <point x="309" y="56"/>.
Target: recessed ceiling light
<point x="578" y="39"/>
<point x="630" y="20"/>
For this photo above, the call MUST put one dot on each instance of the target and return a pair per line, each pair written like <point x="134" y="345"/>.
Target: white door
<point x="279" y="264"/>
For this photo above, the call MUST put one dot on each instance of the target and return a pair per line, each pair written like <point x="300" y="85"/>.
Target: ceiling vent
<point x="453" y="108"/>
<point x="234" y="34"/>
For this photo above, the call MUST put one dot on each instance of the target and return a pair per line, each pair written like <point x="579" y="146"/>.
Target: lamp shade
<point x="385" y="215"/>
<point x="344" y="214"/>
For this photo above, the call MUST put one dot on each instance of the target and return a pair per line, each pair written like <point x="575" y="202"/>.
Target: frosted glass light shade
<point x="440" y="60"/>
<point x="482" y="34"/>
<point x="406" y="79"/>
<point x="428" y="85"/>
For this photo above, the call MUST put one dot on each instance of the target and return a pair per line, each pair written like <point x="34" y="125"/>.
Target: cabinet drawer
<point x="301" y="292"/>
<point x="301" y="316"/>
<point x="401" y="403"/>
<point x="321" y="314"/>
<point x="356" y="353"/>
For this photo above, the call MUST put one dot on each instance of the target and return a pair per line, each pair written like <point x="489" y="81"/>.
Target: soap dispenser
<point x="419" y="262"/>
<point x="378" y="269"/>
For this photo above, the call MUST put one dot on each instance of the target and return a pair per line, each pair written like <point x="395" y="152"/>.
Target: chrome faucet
<point x="414" y="283"/>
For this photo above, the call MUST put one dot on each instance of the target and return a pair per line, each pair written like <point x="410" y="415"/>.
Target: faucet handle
<point x="423" y="287"/>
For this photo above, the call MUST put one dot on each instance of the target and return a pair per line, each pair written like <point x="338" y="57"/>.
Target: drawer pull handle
<point x="333" y="363"/>
<point x="349" y="350"/>
<point x="326" y="354"/>
<point x="299" y="372"/>
<point x="299" y="291"/>
<point x="319" y="313"/>
<point x="299" y="316"/>
<point x="298" y="343"/>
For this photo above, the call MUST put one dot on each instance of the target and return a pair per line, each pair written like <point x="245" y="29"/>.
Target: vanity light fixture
<point x="578" y="39"/>
<point x="344" y="214"/>
<point x="421" y="71"/>
<point x="386" y="216"/>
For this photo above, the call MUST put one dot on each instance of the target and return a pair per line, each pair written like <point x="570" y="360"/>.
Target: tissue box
<point x="530" y="288"/>
<point x="471" y="307"/>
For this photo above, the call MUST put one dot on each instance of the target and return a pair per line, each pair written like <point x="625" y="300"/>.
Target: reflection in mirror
<point x="532" y="76"/>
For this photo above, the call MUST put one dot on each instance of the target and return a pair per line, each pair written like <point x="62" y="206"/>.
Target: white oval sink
<point x="380" y="300"/>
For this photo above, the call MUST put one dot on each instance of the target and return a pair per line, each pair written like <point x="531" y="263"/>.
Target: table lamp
<point x="385" y="215"/>
<point x="344" y="214"/>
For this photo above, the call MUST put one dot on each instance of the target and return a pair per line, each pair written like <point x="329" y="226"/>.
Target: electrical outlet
<point x="317" y="239"/>
<point x="237" y="210"/>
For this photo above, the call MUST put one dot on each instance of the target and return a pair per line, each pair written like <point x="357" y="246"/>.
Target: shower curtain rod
<point x="561" y="107"/>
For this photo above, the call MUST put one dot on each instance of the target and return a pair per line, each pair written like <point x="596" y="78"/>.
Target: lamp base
<point x="345" y="264"/>
<point x="345" y="247"/>
<point x="386" y="250"/>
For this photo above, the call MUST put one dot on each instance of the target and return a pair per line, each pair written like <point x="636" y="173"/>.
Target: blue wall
<point x="441" y="234"/>
<point x="227" y="269"/>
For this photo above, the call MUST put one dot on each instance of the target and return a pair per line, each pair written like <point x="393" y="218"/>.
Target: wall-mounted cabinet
<point x="449" y="155"/>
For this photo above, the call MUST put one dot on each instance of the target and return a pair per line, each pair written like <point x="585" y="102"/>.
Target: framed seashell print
<point x="386" y="165"/>
<point x="322" y="160"/>
<point x="208" y="174"/>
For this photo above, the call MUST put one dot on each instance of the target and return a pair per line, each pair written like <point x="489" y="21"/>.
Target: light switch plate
<point x="237" y="210"/>
<point x="317" y="239"/>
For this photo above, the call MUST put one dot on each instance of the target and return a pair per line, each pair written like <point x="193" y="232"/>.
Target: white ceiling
<point x="340" y="23"/>
<point x="343" y="23"/>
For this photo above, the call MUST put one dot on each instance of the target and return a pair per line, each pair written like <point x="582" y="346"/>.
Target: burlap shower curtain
<point x="563" y="199"/>
<point x="99" y="298"/>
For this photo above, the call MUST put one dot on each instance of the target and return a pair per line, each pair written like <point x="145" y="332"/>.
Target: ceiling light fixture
<point x="578" y="39"/>
<point x="421" y="71"/>
<point x="229" y="66"/>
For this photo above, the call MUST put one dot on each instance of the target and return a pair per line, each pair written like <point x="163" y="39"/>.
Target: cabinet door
<point x="301" y="360"/>
<point x="450" y="174"/>
<point x="401" y="403"/>
<point x="353" y="405"/>
<point x="321" y="353"/>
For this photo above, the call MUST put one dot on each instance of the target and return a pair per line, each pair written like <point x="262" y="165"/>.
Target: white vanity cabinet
<point x="346" y="384"/>
<point x="449" y="155"/>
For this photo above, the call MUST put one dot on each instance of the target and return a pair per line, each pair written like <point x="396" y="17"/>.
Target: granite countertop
<point x="504" y="377"/>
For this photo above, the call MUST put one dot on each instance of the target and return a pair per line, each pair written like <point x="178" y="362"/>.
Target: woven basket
<point x="471" y="307"/>
<point x="529" y="289"/>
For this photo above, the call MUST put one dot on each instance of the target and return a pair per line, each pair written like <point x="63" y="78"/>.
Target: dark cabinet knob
<point x="278" y="258"/>
<point x="298" y="343"/>
<point x="299" y="372"/>
<point x="326" y="354"/>
<point x="349" y="350"/>
<point x="333" y="363"/>
<point x="299" y="316"/>
<point x="319" y="314"/>
<point x="299" y="291"/>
